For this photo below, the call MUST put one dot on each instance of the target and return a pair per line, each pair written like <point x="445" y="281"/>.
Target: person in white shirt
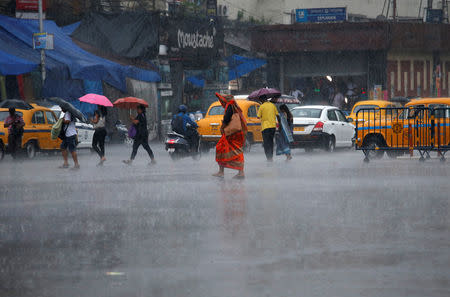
<point x="69" y="143"/>
<point x="338" y="100"/>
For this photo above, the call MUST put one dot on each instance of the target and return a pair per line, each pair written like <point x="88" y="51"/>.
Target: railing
<point x="397" y="131"/>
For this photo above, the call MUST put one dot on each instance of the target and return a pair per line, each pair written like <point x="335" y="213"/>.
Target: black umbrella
<point x="68" y="107"/>
<point x="16" y="103"/>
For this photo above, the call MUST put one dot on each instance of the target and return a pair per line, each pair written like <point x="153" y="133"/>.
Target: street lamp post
<point x="41" y="30"/>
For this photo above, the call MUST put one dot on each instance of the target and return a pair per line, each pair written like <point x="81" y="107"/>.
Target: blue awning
<point x="199" y="82"/>
<point x="239" y="65"/>
<point x="67" y="57"/>
<point x="12" y="65"/>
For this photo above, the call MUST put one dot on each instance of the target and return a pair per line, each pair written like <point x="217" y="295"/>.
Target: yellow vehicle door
<point x="38" y="130"/>
<point x="253" y="123"/>
<point x="440" y="127"/>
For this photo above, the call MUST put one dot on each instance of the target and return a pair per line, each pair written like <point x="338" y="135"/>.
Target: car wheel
<point x="2" y="151"/>
<point x="330" y="144"/>
<point x="372" y="144"/>
<point x="31" y="149"/>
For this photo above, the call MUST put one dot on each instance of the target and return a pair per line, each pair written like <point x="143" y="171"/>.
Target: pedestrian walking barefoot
<point x="98" y="140"/>
<point x="230" y="148"/>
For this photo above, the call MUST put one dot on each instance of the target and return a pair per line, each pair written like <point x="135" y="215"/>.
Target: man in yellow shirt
<point x="268" y="114"/>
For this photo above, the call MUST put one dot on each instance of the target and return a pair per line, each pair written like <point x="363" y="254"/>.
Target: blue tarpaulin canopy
<point x="67" y="58"/>
<point x="199" y="82"/>
<point x="239" y="66"/>
<point x="12" y="65"/>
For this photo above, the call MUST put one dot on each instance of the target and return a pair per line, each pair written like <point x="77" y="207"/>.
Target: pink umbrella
<point x="96" y="99"/>
<point x="268" y="92"/>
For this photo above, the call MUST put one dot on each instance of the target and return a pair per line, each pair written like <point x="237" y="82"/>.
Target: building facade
<point x="280" y="12"/>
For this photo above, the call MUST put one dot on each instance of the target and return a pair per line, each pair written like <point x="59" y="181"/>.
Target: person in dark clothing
<point x="15" y="124"/>
<point x="98" y="140"/>
<point x="141" y="138"/>
<point x="184" y="125"/>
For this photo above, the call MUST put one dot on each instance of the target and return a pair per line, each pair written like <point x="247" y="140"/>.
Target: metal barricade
<point x="396" y="131"/>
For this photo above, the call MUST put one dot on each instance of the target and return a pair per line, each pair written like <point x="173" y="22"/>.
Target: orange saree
<point x="230" y="149"/>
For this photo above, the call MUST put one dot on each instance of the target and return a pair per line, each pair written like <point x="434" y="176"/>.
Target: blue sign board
<point x="321" y="15"/>
<point x="435" y="16"/>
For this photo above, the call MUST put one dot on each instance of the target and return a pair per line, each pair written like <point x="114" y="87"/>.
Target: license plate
<point x="299" y="129"/>
<point x="171" y="150"/>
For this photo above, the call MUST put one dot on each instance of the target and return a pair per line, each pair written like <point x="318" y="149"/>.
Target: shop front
<point x="316" y="61"/>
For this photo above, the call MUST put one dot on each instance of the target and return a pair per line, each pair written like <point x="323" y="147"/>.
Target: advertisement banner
<point x="195" y="41"/>
<point x="321" y="15"/>
<point x="29" y="5"/>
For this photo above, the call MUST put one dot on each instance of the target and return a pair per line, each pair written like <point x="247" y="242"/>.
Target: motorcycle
<point x="178" y="147"/>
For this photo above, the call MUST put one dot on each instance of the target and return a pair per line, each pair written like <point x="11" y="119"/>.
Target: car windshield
<point x="5" y="114"/>
<point x="365" y="107"/>
<point x="216" y="110"/>
<point x="307" y="113"/>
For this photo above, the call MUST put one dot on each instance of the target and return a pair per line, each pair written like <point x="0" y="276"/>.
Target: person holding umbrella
<point x="99" y="122"/>
<point x="268" y="114"/>
<point x="98" y="140"/>
<point x="69" y="143"/>
<point x="141" y="138"/>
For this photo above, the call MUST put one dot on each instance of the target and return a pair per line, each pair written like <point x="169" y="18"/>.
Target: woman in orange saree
<point x="230" y="149"/>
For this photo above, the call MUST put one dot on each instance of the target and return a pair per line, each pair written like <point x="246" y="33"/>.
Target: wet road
<point x="321" y="225"/>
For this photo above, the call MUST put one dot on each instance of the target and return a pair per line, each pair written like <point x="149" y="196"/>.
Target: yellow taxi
<point x="36" y="136"/>
<point x="209" y="127"/>
<point x="369" y="104"/>
<point x="415" y="126"/>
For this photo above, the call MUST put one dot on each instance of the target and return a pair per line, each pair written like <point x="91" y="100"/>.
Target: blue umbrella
<point x="239" y="66"/>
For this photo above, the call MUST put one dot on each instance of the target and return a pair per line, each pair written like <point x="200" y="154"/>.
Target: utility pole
<point x="394" y="10"/>
<point x="41" y="30"/>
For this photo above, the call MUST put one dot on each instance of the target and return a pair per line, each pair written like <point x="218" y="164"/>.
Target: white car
<point x="85" y="130"/>
<point x="319" y="126"/>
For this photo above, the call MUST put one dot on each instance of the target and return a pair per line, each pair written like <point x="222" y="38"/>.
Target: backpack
<point x="56" y="128"/>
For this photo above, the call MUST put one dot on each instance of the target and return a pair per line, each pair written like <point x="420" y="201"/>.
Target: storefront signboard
<point x="194" y="40"/>
<point x="29" y="5"/>
<point x="321" y="15"/>
<point x="434" y="16"/>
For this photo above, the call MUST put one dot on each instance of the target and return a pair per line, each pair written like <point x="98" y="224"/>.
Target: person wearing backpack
<point x="14" y="122"/>
<point x="141" y="137"/>
<point x="69" y="141"/>
<point x="98" y="140"/>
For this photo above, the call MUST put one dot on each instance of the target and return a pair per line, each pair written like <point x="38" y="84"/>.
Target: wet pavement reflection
<point x="321" y="225"/>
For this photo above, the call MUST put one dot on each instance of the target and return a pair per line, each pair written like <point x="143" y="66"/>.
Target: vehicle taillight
<point x="318" y="127"/>
<point x="171" y="141"/>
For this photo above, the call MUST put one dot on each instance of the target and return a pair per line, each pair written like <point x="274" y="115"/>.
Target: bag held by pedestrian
<point x="56" y="128"/>
<point x="132" y="132"/>
<point x="234" y="125"/>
